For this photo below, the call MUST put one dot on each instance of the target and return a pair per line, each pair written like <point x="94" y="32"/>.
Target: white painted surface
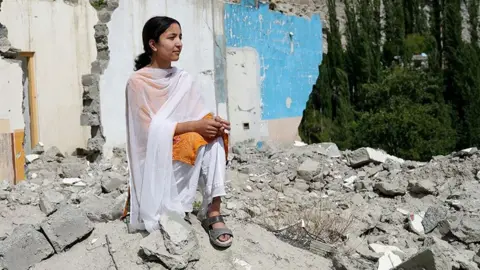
<point x="244" y="103"/>
<point x="62" y="37"/>
<point x="125" y="43"/>
<point x="11" y="93"/>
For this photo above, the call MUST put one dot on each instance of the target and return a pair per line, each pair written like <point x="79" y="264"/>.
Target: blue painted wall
<point x="285" y="74"/>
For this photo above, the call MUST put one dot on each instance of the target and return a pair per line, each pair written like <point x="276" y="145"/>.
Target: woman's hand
<point x="225" y="123"/>
<point x="208" y="128"/>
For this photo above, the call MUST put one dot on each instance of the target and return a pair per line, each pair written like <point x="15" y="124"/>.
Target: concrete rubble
<point x="369" y="210"/>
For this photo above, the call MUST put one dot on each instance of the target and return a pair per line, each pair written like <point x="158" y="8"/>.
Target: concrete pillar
<point x="221" y="92"/>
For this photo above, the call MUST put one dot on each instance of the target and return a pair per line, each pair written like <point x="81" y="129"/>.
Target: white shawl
<point x="157" y="99"/>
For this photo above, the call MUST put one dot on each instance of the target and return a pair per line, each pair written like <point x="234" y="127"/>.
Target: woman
<point x="174" y="142"/>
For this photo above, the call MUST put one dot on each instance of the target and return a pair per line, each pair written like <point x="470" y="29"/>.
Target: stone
<point x="66" y="226"/>
<point x="364" y="156"/>
<point x="358" y="199"/>
<point x="53" y="153"/>
<point x="468" y="231"/>
<point x="49" y="200"/>
<point x="72" y="167"/>
<point x="349" y="182"/>
<point x="24" y="248"/>
<point x="389" y="189"/>
<point x="329" y="149"/>
<point x="100" y="209"/>
<point x="175" y="245"/>
<point x="391" y="165"/>
<point x="112" y="181"/>
<point x="433" y="216"/>
<point x="422" y="187"/>
<point x="308" y="169"/>
<point x="301" y="185"/>
<point x="424" y="260"/>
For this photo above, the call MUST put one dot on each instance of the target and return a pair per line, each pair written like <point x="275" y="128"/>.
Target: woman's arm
<point x="185" y="127"/>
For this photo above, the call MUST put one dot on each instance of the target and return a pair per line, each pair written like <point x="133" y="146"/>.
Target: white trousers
<point x="208" y="173"/>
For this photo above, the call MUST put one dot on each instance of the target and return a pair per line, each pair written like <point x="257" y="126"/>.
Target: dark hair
<point x="153" y="28"/>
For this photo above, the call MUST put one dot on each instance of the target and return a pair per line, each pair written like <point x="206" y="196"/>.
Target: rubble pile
<point x="375" y="210"/>
<point x="65" y="215"/>
<point x="309" y="206"/>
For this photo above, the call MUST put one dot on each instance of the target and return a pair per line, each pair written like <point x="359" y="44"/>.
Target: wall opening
<point x="246" y="126"/>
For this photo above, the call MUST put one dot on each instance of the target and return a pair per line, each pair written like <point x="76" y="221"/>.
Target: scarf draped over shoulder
<point x="156" y="100"/>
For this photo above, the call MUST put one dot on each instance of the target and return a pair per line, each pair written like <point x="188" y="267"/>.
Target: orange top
<point x="185" y="146"/>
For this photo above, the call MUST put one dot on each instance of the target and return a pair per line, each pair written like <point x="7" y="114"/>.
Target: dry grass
<point x="312" y="223"/>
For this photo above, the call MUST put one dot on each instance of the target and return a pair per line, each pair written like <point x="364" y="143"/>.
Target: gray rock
<point x="112" y="181"/>
<point x="329" y="149"/>
<point x="365" y="155"/>
<point x="103" y="209"/>
<point x="433" y="216"/>
<point x="24" y="248"/>
<point x="301" y="185"/>
<point x="73" y="168"/>
<point x="422" y="187"/>
<point x="389" y="189"/>
<point x="66" y="226"/>
<point x="176" y="245"/>
<point x="53" y="153"/>
<point x="425" y="260"/>
<point x="49" y="200"/>
<point x="468" y="231"/>
<point x="308" y="169"/>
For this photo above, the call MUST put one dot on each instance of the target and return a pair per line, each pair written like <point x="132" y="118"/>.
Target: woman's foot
<point x="219" y="234"/>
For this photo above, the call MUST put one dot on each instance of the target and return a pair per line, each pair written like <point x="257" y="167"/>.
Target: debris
<point x="66" y="226"/>
<point x="415" y="224"/>
<point x="23" y="248"/>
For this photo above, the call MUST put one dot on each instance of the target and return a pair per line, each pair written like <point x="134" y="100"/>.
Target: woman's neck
<point x="162" y="65"/>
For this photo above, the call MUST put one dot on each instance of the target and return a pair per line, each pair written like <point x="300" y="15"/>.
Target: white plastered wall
<point x="125" y="43"/>
<point x="62" y="37"/>
<point x="11" y="93"/>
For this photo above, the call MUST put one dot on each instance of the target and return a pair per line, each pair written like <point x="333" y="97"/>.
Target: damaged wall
<point x="125" y="43"/>
<point x="11" y="92"/>
<point x="288" y="52"/>
<point x="61" y="35"/>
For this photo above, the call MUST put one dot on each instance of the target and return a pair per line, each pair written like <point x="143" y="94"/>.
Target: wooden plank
<point x="7" y="168"/>
<point x="32" y="97"/>
<point x="19" y="155"/>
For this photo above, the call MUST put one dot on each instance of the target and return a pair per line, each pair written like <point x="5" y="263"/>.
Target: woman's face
<point x="169" y="46"/>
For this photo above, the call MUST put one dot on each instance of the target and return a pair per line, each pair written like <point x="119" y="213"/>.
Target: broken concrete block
<point x="365" y="155"/>
<point x="175" y="245"/>
<point x="330" y="150"/>
<point x="66" y="226"/>
<point x="424" y="260"/>
<point x="49" y="200"/>
<point x="101" y="209"/>
<point x="112" y="181"/>
<point x="422" y="187"/>
<point x="308" y="169"/>
<point x="24" y="248"/>
<point x="468" y="231"/>
<point x="389" y="189"/>
<point x="433" y="216"/>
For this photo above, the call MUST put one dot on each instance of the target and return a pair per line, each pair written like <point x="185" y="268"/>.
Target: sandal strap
<point x="216" y="233"/>
<point x="212" y="220"/>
